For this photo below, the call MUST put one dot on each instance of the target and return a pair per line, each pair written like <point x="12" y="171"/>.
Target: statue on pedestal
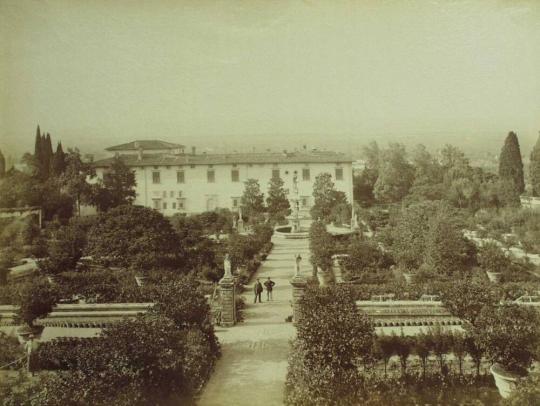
<point x="240" y="224"/>
<point x="297" y="260"/>
<point x="227" y="267"/>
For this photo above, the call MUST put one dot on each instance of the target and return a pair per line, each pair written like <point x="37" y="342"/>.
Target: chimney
<point x="193" y="150"/>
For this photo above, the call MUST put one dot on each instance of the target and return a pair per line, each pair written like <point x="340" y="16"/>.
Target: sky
<point x="237" y="75"/>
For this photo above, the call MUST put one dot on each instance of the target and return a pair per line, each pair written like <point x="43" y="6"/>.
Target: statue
<point x="234" y="223"/>
<point x="227" y="267"/>
<point x="297" y="259"/>
<point x="240" y="223"/>
<point x="295" y="184"/>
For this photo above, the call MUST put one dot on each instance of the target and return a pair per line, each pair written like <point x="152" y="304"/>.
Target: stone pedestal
<point x="299" y="284"/>
<point x="228" y="305"/>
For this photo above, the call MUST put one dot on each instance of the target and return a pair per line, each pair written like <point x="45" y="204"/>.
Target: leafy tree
<point x="492" y="258"/>
<point x="277" y="203"/>
<point x="510" y="334"/>
<point x="252" y="199"/>
<point x="465" y="298"/>
<point x="2" y="165"/>
<point x="403" y="346"/>
<point x="116" y="188"/>
<point x="331" y="336"/>
<point x="534" y="168"/>
<point x="447" y="251"/>
<point x="59" y="161"/>
<point x="19" y="189"/>
<point x="65" y="248"/>
<point x="74" y="178"/>
<point x="326" y="197"/>
<point x="510" y="164"/>
<point x="395" y="175"/>
<point x="135" y="237"/>
<point x="441" y="342"/>
<point x="459" y="348"/>
<point x="365" y="256"/>
<point x="364" y="183"/>
<point x="527" y="392"/>
<point x="385" y="347"/>
<point x="35" y="299"/>
<point x="422" y="348"/>
<point x="475" y="351"/>
<point x="321" y="246"/>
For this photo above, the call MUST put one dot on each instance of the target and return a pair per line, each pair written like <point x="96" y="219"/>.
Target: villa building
<point x="171" y="180"/>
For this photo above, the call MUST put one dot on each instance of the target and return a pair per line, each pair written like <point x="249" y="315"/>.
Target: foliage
<point x="510" y="164"/>
<point x="326" y="197"/>
<point x="509" y="334"/>
<point x="331" y="336"/>
<point x="74" y="177"/>
<point x="527" y="393"/>
<point x="35" y="299"/>
<point x="117" y="187"/>
<point x="365" y="256"/>
<point x="321" y="245"/>
<point x="252" y="199"/>
<point x="136" y="237"/>
<point x="534" y="168"/>
<point x="395" y="175"/>
<point x="65" y="247"/>
<point x="10" y="350"/>
<point x="277" y="204"/>
<point x="466" y="298"/>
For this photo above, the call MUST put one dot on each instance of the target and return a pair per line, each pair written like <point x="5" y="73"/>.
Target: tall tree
<point x="395" y="175"/>
<point x="510" y="164"/>
<point x="74" y="178"/>
<point x="277" y="203"/>
<point x="534" y="169"/>
<point x="325" y="197"/>
<point x="2" y="165"/>
<point x="59" y="161"/>
<point x="252" y="200"/>
<point x="37" y="158"/>
<point x="47" y="155"/>
<point x="117" y="187"/>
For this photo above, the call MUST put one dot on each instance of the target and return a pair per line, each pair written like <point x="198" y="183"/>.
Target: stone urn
<point x="336" y="266"/>
<point x="326" y="278"/>
<point x="494" y="277"/>
<point x="505" y="380"/>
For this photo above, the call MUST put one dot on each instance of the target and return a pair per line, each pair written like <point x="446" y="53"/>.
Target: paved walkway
<point x="253" y="365"/>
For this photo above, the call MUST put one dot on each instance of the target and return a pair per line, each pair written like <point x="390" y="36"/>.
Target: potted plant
<point x="325" y="277"/>
<point x="510" y="335"/>
<point x="35" y="299"/>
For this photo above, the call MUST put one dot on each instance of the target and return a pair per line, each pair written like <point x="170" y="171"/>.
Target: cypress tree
<point x="37" y="153"/>
<point x="2" y="165"/>
<point x="534" y="169"/>
<point x="510" y="164"/>
<point x="47" y="155"/>
<point x="59" y="161"/>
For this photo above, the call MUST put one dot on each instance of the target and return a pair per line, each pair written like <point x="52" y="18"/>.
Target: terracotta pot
<point x="505" y="381"/>
<point x="494" y="277"/>
<point x="141" y="280"/>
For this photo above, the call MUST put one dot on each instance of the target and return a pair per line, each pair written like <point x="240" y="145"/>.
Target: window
<point x="157" y="204"/>
<point x="192" y="166"/>
<point x="156" y="177"/>
<point x="339" y="173"/>
<point x="235" y="175"/>
<point x="181" y="204"/>
<point x="275" y="173"/>
<point x="179" y="193"/>
<point x="164" y="205"/>
<point x="165" y="193"/>
<point x="235" y="202"/>
<point x="171" y="193"/>
<point x="211" y="176"/>
<point x="180" y="177"/>
<point x="305" y="174"/>
<point x="174" y="205"/>
<point x="304" y="201"/>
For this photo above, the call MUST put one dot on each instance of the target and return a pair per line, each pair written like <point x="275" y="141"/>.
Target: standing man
<point x="258" y="289"/>
<point x="269" y="285"/>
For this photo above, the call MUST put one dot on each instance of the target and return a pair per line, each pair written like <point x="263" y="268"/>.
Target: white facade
<point x="202" y="186"/>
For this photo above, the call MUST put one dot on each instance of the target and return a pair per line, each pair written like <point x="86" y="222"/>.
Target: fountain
<point x="293" y="230"/>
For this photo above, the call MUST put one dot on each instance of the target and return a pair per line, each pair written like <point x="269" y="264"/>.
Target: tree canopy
<point x="510" y="164"/>
<point x="277" y="204"/>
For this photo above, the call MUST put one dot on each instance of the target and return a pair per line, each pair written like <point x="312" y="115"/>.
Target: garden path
<point x="253" y="365"/>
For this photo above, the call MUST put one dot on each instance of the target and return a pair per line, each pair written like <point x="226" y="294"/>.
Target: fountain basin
<point x="287" y="232"/>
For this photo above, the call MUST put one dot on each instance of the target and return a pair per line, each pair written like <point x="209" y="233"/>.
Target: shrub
<point x="331" y="336"/>
<point x="10" y="351"/>
<point x="509" y="334"/>
<point x="35" y="299"/>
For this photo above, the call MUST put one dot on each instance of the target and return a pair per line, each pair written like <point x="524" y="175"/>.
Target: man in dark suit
<point x="269" y="285"/>
<point x="258" y="289"/>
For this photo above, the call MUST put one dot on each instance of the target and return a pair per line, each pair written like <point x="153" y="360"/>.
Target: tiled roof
<point x="237" y="158"/>
<point x="145" y="145"/>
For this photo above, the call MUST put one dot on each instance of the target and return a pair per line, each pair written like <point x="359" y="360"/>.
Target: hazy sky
<point x="236" y="74"/>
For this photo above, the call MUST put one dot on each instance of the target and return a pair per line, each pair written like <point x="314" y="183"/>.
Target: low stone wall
<point x="394" y="313"/>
